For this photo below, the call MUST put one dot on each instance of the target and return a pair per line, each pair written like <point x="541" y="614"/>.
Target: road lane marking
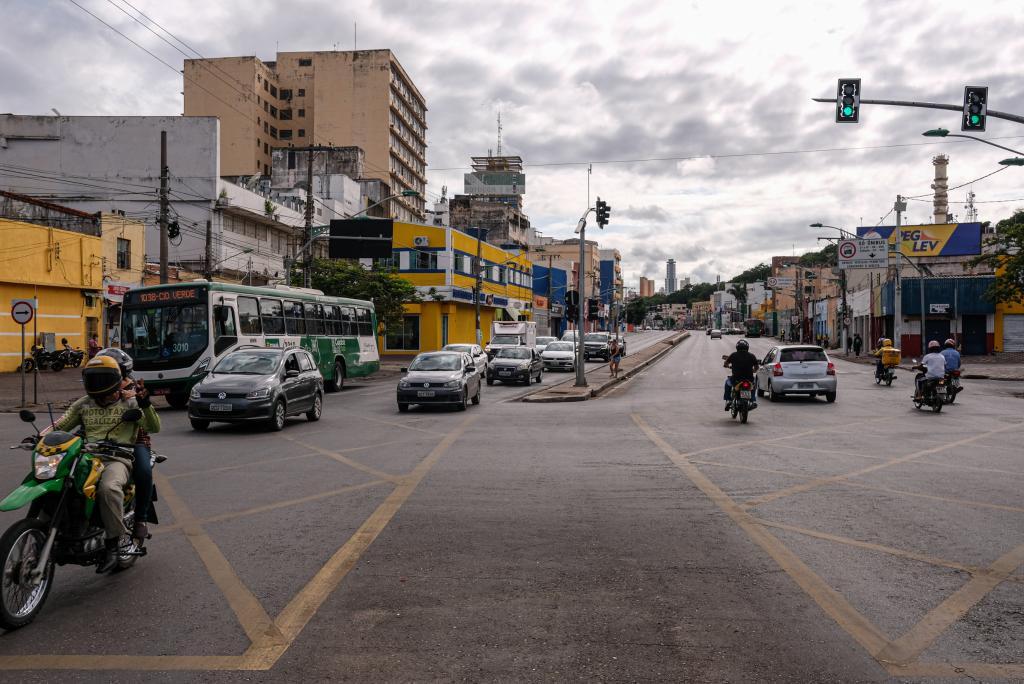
<point x="121" y="662"/>
<point x="341" y="458"/>
<point x="981" y="671"/>
<point x="818" y="482"/>
<point x="934" y="497"/>
<point x="250" y="613"/>
<point x="915" y="641"/>
<point x="831" y="601"/>
<point x="304" y="605"/>
<point x="231" y="515"/>
<point x="392" y="423"/>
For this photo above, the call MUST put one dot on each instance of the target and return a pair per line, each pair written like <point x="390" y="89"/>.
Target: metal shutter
<point x="1013" y="333"/>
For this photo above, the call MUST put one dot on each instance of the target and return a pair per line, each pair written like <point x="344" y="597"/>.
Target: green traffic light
<point x="975" y="119"/>
<point x="847" y="111"/>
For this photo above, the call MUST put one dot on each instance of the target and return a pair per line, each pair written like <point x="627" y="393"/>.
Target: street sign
<point x="779" y="281"/>
<point x="872" y="253"/>
<point x="938" y="308"/>
<point x="22" y="311"/>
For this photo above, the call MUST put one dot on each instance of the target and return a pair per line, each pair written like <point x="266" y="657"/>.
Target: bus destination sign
<point x="171" y="295"/>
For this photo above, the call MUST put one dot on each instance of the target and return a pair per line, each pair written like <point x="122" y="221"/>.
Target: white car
<point x="474" y="350"/>
<point x="543" y="342"/>
<point x="559" y="356"/>
<point x="570" y="336"/>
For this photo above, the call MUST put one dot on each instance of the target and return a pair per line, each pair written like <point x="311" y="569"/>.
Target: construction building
<point x="493" y="201"/>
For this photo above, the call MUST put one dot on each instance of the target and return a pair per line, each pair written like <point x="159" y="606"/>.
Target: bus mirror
<point x="222" y="314"/>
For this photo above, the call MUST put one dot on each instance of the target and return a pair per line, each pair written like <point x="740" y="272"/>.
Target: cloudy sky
<point x="716" y="94"/>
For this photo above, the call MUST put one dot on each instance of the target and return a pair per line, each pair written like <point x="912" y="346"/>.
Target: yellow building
<point x="1008" y="332"/>
<point x="62" y="271"/>
<point x="438" y="260"/>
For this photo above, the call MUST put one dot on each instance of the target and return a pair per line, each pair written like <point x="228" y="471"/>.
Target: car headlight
<point x="452" y="384"/>
<point x="403" y="384"/>
<point x="194" y="394"/>
<point x="46" y="466"/>
<point x="524" y="365"/>
<point x="261" y="393"/>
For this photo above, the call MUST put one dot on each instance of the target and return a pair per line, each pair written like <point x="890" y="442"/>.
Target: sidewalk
<point x="974" y="367"/>
<point x="598" y="377"/>
<point x="58" y="388"/>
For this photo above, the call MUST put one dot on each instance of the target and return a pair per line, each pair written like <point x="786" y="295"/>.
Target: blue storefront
<point x="550" y="284"/>
<point x="955" y="308"/>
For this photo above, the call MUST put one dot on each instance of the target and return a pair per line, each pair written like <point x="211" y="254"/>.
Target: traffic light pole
<point x="581" y="371"/>
<point x="929" y="105"/>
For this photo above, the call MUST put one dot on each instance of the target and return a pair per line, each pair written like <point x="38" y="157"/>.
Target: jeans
<point x="879" y="368"/>
<point x="142" y="473"/>
<point x="728" y="389"/>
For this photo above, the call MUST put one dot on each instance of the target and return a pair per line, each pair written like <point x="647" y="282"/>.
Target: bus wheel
<point x="338" y="381"/>
<point x="177" y="401"/>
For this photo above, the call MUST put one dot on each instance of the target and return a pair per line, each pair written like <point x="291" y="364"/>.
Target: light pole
<point x="842" y="283"/>
<point x="944" y="133"/>
<point x="247" y="250"/>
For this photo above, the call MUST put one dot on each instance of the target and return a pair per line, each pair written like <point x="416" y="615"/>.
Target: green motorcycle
<point x="63" y="524"/>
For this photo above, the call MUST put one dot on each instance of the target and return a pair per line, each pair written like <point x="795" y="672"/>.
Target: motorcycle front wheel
<point x="21" y="596"/>
<point x="29" y="365"/>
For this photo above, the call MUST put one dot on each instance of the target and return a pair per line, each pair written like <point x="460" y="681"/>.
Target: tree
<point x="824" y="257"/>
<point x="1004" y="253"/>
<point x="756" y="274"/>
<point x="636" y="311"/>
<point x="739" y="291"/>
<point x="383" y="287"/>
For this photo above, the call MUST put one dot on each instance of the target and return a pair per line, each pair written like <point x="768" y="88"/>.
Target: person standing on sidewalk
<point x="857" y="344"/>
<point x="616" y="357"/>
<point x="94" y="345"/>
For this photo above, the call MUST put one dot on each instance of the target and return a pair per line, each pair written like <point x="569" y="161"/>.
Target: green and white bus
<point x="175" y="333"/>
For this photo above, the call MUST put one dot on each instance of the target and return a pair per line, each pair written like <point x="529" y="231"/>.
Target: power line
<point x="956" y="187"/>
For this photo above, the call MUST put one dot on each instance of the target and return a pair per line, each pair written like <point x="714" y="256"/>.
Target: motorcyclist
<point x="99" y="414"/>
<point x="744" y="367"/>
<point x="142" y="471"/>
<point x="952" y="356"/>
<point x="933" y="367"/>
<point x="884" y="344"/>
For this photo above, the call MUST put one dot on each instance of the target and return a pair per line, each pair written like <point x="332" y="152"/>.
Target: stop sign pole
<point x="22" y="313"/>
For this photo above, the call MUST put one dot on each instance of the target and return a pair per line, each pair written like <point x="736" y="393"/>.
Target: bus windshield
<point x="165" y="336"/>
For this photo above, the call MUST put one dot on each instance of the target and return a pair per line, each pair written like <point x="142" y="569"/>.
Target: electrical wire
<point x="957" y="187"/>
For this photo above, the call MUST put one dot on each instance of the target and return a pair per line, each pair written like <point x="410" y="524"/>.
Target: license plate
<point x="504" y="372"/>
<point x="744" y="394"/>
<point x="161" y="391"/>
<point x="425" y="393"/>
<point x="221" y="407"/>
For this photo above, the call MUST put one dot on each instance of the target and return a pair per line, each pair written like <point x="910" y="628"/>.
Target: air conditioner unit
<point x="421" y="241"/>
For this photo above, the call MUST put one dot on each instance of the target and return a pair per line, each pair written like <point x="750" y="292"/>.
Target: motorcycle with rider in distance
<point x="63" y="525"/>
<point x="933" y="391"/>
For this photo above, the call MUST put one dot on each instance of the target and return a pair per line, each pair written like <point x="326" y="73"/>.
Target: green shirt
<point x="97" y="420"/>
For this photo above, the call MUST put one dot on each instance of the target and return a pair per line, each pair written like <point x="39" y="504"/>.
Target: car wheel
<point x="540" y="377"/>
<point x="772" y="394"/>
<point x="198" y="424"/>
<point x="830" y="397"/>
<point x="338" y="381"/>
<point x="313" y="414"/>
<point x="177" y="401"/>
<point x="490" y="381"/>
<point x="476" y="397"/>
<point x="277" y="416"/>
<point x="461" y="406"/>
<point x="403" y="408"/>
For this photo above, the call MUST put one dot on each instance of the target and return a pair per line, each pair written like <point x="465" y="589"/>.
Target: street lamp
<point x="944" y="133"/>
<point x="209" y="268"/>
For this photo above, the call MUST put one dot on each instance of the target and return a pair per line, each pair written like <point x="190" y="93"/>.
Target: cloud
<point x="646" y="213"/>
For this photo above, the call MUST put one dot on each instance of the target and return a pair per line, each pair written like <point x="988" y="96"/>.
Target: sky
<point x="717" y="95"/>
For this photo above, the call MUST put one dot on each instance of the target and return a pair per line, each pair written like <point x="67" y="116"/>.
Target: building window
<point x="124" y="253"/>
<point x="273" y="111"/>
<point x="302" y="132"/>
<point x="266" y="85"/>
<point x="291" y="159"/>
<point x="302" y="92"/>
<point x="286" y="134"/>
<point x="266" y="127"/>
<point x="286" y="115"/>
<point x="266" y="148"/>
<point x="273" y="132"/>
<point x="302" y="113"/>
<point x="425" y="261"/>
<point x="273" y="90"/>
<point x="266" y="106"/>
<point x="305" y="62"/>
<point x="286" y="93"/>
<point x="406" y="337"/>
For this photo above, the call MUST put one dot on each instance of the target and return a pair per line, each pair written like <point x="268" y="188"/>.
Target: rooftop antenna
<point x="355" y="36"/>
<point x="499" y="131"/>
<point x="972" y="211"/>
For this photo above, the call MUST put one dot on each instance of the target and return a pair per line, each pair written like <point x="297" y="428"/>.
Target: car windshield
<point x="437" y="362"/>
<point x="256" y="362"/>
<point x="505" y="339"/>
<point x="810" y="354"/>
<point x="595" y="337"/>
<point x="462" y="348"/>
<point x="165" y="336"/>
<point x="560" y="346"/>
<point x="514" y="354"/>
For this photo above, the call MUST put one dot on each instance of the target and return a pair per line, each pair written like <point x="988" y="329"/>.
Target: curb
<point x="670" y="344"/>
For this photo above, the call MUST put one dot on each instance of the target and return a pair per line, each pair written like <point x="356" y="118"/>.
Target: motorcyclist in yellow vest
<point x="99" y="413"/>
<point x="885" y="344"/>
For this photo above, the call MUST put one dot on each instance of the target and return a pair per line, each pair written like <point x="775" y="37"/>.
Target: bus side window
<point x="224" y="331"/>
<point x="294" y="318"/>
<point x="365" y="322"/>
<point x="249" y="316"/>
<point x="347" y="321"/>
<point x="314" y="319"/>
<point x="270" y="313"/>
<point x="331" y="320"/>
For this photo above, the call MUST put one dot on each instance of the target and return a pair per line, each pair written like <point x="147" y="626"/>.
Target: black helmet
<point x="742" y="345"/>
<point x="101" y="376"/>
<point x="124" y="361"/>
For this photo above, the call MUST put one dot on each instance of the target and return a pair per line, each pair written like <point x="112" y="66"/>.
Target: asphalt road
<point x="641" y="536"/>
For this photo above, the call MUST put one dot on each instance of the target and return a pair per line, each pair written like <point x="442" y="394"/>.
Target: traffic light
<point x="601" y="209"/>
<point x="572" y="300"/>
<point x="848" y="101"/>
<point x="591" y="309"/>
<point x="975" y="108"/>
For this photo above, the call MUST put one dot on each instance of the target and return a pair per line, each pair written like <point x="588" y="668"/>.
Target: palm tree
<point x="739" y="291"/>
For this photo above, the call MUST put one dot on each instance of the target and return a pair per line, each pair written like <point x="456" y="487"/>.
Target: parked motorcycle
<point x="63" y="524"/>
<point x="72" y="358"/>
<point x="43" y="359"/>
<point x="933" y="391"/>
<point x="887" y="376"/>
<point x="742" y="398"/>
<point x="952" y="386"/>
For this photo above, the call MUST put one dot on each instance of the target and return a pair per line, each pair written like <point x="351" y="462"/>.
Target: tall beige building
<point x="362" y="98"/>
<point x="646" y="287"/>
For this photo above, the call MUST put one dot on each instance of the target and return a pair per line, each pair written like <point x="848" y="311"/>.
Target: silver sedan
<point x="797" y="369"/>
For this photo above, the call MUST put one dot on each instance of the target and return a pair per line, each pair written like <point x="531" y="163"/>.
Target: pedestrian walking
<point x="858" y="343"/>
<point x="94" y="345"/>
<point x="616" y="357"/>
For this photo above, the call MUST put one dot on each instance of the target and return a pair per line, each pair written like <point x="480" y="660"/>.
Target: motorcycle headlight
<point x="46" y="466"/>
<point x="261" y="393"/>
<point x="194" y="394"/>
<point x="452" y="384"/>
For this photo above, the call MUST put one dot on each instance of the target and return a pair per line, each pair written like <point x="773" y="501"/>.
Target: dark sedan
<point x="516" y="364"/>
<point x="255" y="384"/>
<point x="443" y="377"/>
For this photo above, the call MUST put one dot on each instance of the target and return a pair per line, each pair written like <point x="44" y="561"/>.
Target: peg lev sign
<point x="951" y="239"/>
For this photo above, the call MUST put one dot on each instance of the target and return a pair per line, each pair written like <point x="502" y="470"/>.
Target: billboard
<point x="361" y="238"/>
<point x="952" y="239"/>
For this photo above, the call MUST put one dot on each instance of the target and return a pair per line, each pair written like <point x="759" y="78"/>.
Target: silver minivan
<point x="797" y="369"/>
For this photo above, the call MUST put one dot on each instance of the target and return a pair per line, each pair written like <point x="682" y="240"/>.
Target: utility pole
<point x="897" y="305"/>
<point x="479" y="286"/>
<point x="581" y="372"/>
<point x="844" y="328"/>
<point x="551" y="321"/>
<point x="307" y="265"/>
<point x="209" y="250"/>
<point x="164" y="240"/>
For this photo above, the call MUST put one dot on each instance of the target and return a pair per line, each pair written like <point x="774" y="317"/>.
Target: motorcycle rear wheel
<point x="888" y="381"/>
<point x="20" y="546"/>
<point x="743" y="416"/>
<point x="937" y="404"/>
